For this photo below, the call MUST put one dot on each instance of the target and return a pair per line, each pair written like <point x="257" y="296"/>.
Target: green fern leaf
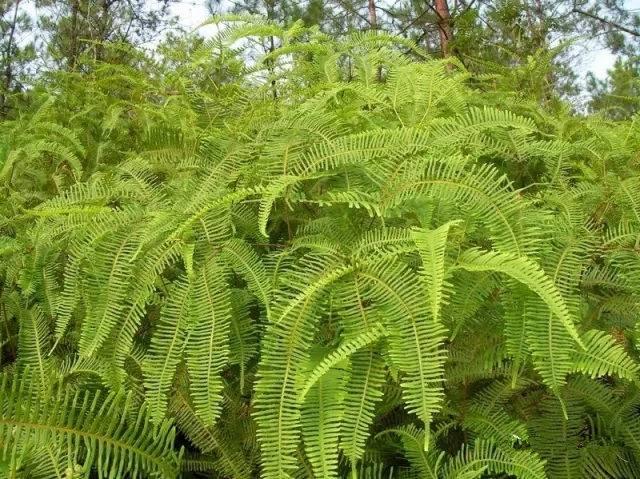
<point x="114" y="436"/>
<point x="527" y="272"/>
<point x="415" y="338"/>
<point x="207" y="346"/>
<point x="341" y="353"/>
<point x="603" y="356"/>
<point x="363" y="392"/>
<point x="167" y="345"/>
<point x="321" y="417"/>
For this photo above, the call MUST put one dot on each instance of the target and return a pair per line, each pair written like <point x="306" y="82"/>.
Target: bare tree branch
<point x="617" y="26"/>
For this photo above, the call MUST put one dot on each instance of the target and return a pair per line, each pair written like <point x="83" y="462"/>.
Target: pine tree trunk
<point x="444" y="26"/>
<point x="373" y="24"/>
<point x="272" y="47"/>
<point x="73" y="56"/>
<point x="373" y="17"/>
<point x="8" y="70"/>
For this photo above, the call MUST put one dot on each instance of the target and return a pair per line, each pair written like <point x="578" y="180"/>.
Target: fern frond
<point x="485" y="457"/>
<point x="34" y="345"/>
<point x="528" y="273"/>
<point x="107" y="285"/>
<point x="286" y="344"/>
<point x="102" y="431"/>
<point x="340" y="354"/>
<point x="604" y="356"/>
<point x="415" y="338"/>
<point x="207" y="346"/>
<point x="363" y="392"/>
<point x="167" y="345"/>
<point x="321" y="417"/>
<point x="244" y="260"/>
<point x="431" y="246"/>
<point x="413" y="439"/>
<point x="208" y="440"/>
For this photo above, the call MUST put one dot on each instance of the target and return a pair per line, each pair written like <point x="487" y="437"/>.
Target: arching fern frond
<point x="485" y="457"/>
<point x="103" y="431"/>
<point x="526" y="272"/>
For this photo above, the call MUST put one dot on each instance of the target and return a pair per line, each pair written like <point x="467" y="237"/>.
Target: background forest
<point x="332" y="239"/>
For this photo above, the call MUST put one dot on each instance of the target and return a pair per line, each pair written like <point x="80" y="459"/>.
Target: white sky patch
<point x="191" y="14"/>
<point x="597" y="58"/>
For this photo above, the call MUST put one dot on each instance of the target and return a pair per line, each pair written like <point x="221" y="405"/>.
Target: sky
<point x="597" y="59"/>
<point x="192" y="13"/>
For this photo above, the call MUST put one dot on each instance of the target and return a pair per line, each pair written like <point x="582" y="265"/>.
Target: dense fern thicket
<point x="346" y="260"/>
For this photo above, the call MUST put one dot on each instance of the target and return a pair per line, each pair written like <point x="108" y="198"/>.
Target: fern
<point x="341" y="353"/>
<point x="98" y="431"/>
<point x="166" y="347"/>
<point x="339" y="259"/>
<point x="321" y="418"/>
<point x="207" y="346"/>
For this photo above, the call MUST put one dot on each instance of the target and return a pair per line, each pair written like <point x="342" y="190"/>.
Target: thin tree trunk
<point x="274" y="89"/>
<point x="272" y="48"/>
<point x="103" y="29"/>
<point x="73" y="56"/>
<point x="8" y="68"/>
<point x="373" y="17"/>
<point x="373" y="24"/>
<point x="444" y="27"/>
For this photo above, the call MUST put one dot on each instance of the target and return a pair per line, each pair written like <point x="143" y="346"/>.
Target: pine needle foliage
<point x="343" y="260"/>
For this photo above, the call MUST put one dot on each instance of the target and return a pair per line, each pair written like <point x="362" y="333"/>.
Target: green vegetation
<point x="343" y="259"/>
